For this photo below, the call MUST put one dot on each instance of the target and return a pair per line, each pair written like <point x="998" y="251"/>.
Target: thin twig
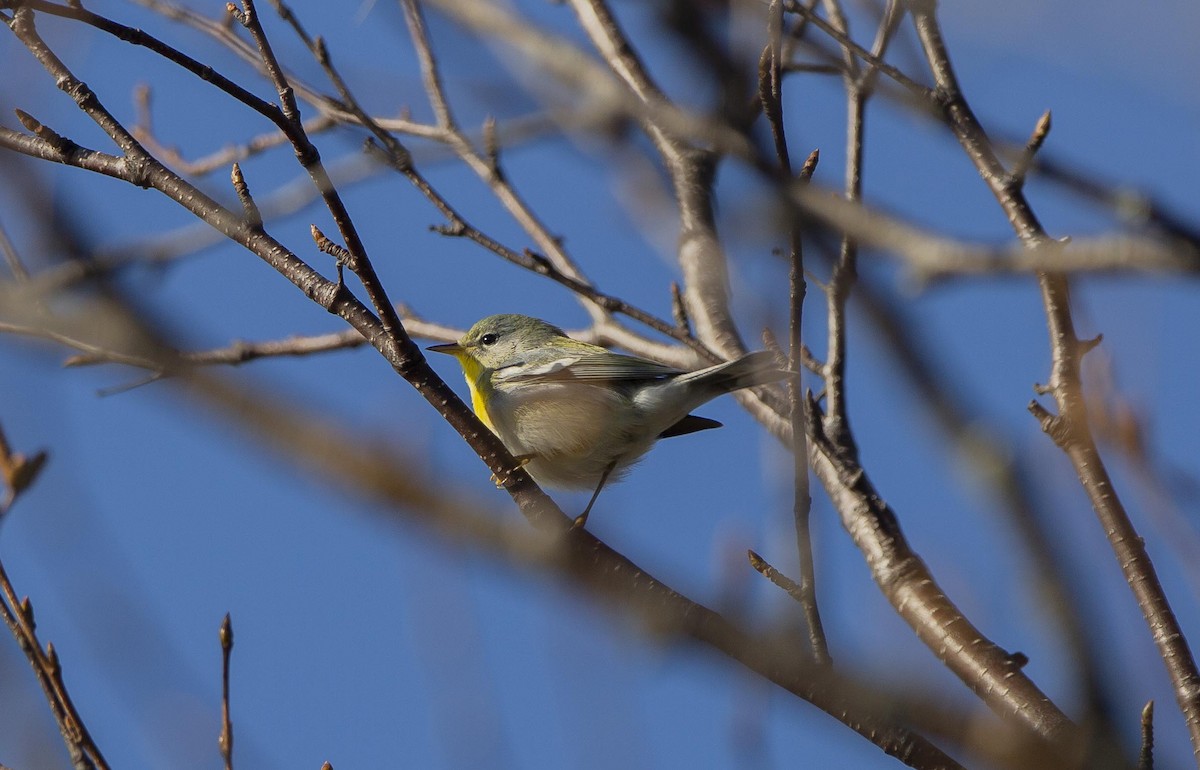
<point x="226" y="739"/>
<point x="764" y="568"/>
<point x="771" y="96"/>
<point x="19" y="472"/>
<point x="1020" y="169"/>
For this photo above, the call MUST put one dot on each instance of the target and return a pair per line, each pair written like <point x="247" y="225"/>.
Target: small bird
<point x="578" y="415"/>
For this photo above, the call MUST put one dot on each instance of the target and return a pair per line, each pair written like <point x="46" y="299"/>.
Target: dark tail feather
<point x="690" y="424"/>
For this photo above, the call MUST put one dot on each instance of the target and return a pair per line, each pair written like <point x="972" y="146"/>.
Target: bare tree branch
<point x="1069" y="428"/>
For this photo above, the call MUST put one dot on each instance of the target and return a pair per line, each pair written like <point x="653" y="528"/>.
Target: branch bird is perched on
<point x="577" y="415"/>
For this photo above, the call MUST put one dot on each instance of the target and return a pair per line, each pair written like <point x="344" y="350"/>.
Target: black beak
<point x="450" y="348"/>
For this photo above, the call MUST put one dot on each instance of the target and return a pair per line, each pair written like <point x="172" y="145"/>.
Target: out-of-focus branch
<point x="1131" y="206"/>
<point x="931" y="256"/>
<point x="144" y="131"/>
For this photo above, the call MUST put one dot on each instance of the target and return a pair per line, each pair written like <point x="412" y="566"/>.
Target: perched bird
<point x="577" y="415"/>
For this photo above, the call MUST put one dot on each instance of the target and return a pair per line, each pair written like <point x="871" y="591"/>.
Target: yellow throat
<point x="479" y="385"/>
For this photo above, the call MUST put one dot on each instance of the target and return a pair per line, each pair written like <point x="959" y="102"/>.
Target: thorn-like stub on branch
<point x="1042" y="390"/>
<point x="31" y="124"/>
<point x="237" y="13"/>
<point x="1040" y="131"/>
<point x="34" y="126"/>
<point x="340" y="253"/>
<point x="1021" y="168"/>
<point x="342" y="257"/>
<point x="1018" y="659"/>
<point x="1146" y="754"/>
<point x="1040" y="412"/>
<point x="1088" y="345"/>
<point x="764" y="568"/>
<point x="226" y="633"/>
<point x="810" y="166"/>
<point x="253" y="216"/>
<point x="27" y="613"/>
<point x="1054" y="426"/>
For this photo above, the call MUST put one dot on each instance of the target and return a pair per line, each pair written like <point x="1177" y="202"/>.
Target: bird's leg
<point x="581" y="519"/>
<point x="522" y="461"/>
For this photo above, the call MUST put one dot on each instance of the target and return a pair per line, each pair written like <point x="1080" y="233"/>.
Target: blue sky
<point x="366" y="641"/>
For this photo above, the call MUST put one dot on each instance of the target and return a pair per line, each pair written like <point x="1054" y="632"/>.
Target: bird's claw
<point x="522" y="461"/>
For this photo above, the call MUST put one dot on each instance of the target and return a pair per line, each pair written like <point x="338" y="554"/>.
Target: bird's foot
<point x="522" y="461"/>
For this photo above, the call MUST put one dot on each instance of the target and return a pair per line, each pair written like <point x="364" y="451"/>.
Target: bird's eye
<point x="488" y="339"/>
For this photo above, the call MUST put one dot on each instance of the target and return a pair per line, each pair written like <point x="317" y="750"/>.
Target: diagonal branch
<point x="992" y="673"/>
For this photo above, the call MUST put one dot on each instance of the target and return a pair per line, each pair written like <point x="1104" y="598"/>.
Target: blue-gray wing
<point x="589" y="367"/>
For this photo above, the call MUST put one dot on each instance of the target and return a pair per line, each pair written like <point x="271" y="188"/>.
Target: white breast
<point x="574" y="430"/>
